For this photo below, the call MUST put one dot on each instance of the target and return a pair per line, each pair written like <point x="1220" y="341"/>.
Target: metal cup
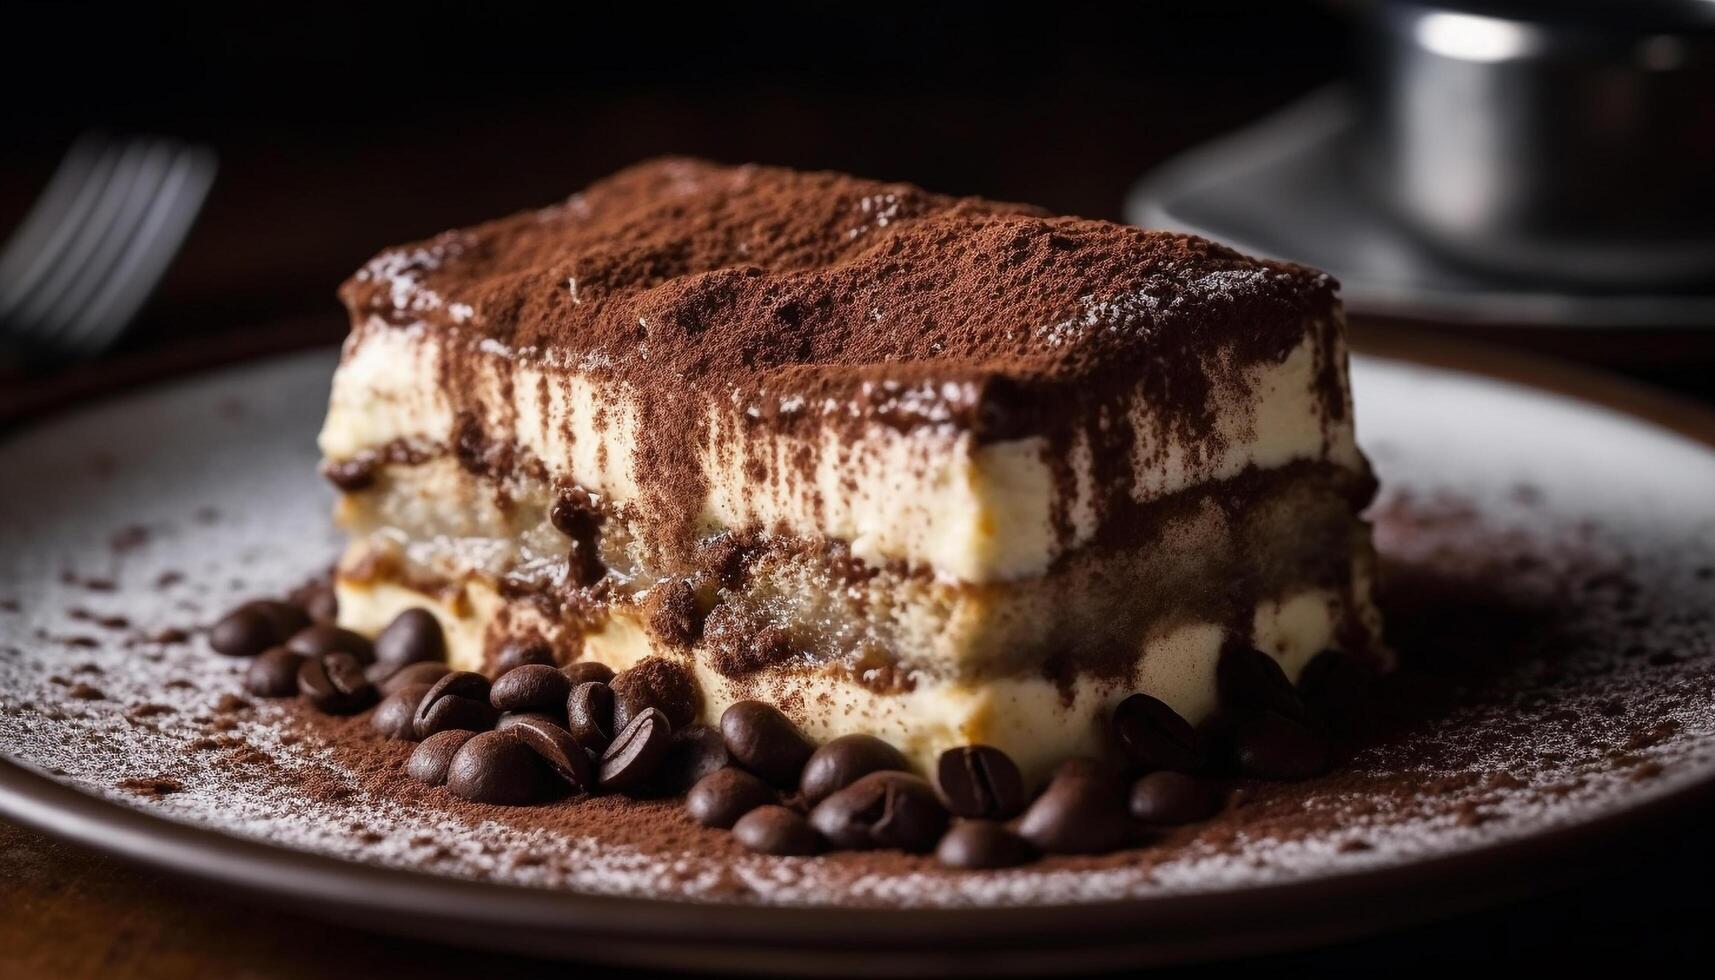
<point x="1571" y="142"/>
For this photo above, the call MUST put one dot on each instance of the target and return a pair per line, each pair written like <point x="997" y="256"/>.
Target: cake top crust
<point x="788" y="289"/>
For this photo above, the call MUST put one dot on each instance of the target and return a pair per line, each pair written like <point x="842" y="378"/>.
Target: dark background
<point x="344" y="128"/>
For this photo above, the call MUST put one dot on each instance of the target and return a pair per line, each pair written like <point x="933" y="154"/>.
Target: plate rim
<point x="668" y="932"/>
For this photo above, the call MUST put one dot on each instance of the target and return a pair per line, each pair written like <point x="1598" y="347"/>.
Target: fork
<point x="97" y="242"/>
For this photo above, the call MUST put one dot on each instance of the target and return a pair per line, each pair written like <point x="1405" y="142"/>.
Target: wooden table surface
<point x="66" y="912"/>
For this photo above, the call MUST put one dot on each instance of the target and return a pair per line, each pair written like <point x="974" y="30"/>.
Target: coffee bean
<point x="1169" y="798"/>
<point x="721" y="797"/>
<point x="465" y="684"/>
<point x="458" y="700"/>
<point x="244" y="632"/>
<point x="413" y="637"/>
<point x="1250" y="681"/>
<point x="255" y="627"/>
<point x="659" y="683"/>
<point x="980" y="781"/>
<point x="564" y="757"/>
<point x="319" y="603"/>
<point x="518" y="652"/>
<point x="532" y="687"/>
<point x="1152" y="736"/>
<point x="976" y="844"/>
<point x="882" y="810"/>
<point x="313" y="641"/>
<point x="434" y="755"/>
<point x="519" y="717"/>
<point x="390" y="677"/>
<point x="274" y="674"/>
<point x="1273" y="746"/>
<point x="589" y="715"/>
<point x="287" y="617"/>
<point x="843" y="761"/>
<point x="1079" y="813"/>
<point x="585" y="671"/>
<point x="775" y="830"/>
<point x="695" y="752"/>
<point x="637" y="751"/>
<point x="334" y="683"/>
<point x="765" y="741"/>
<point x="497" y="767"/>
<point x="396" y="717"/>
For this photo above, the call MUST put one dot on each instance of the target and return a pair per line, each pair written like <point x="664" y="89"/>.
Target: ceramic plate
<point x="1590" y="522"/>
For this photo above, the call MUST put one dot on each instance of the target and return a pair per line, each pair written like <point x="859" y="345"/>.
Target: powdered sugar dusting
<point x="402" y="271"/>
<point x="1134" y="313"/>
<point x="1558" y="561"/>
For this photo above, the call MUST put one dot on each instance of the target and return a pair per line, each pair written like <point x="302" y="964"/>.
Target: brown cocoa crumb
<point x="128" y="538"/>
<point x="1503" y="781"/>
<point x="230" y="703"/>
<point x="737" y="646"/>
<point x="1644" y="738"/>
<point x="660" y="683"/>
<point x="724" y="559"/>
<point x="151" y="787"/>
<point x="671" y="613"/>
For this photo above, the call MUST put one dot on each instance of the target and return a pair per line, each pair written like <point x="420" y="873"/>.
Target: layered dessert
<point x="941" y="470"/>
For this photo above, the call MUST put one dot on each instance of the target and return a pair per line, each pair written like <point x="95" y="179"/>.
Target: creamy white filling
<point x="1035" y="720"/>
<point x="931" y="497"/>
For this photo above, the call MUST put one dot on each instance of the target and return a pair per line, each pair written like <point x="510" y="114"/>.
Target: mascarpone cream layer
<point x="932" y="496"/>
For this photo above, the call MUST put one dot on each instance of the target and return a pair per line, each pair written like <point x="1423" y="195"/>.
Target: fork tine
<point x="66" y="250"/>
<point x="105" y="246"/>
<point x="94" y="239"/>
<point x="165" y="223"/>
<point x="72" y="191"/>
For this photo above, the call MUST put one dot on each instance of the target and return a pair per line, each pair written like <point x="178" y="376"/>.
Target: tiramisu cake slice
<point x="936" y="469"/>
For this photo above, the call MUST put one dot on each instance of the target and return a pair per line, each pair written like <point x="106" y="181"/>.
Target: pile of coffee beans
<point x="536" y="732"/>
<point x="539" y="732"/>
<point x="781" y="795"/>
<point x="298" y="649"/>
